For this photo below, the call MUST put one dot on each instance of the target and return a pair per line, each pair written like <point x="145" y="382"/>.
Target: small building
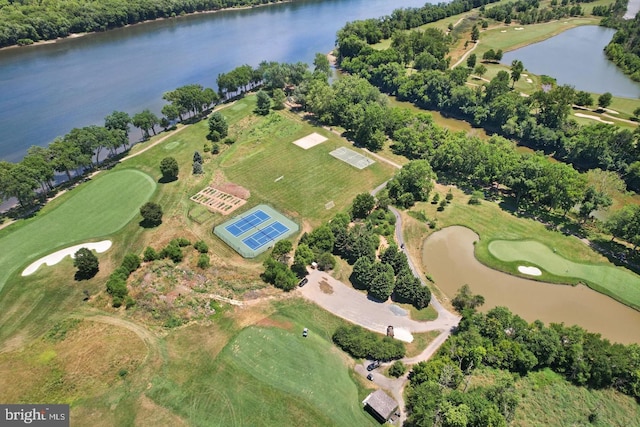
<point x="380" y="405"/>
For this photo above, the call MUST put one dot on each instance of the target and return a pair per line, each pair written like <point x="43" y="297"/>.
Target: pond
<point x="576" y="57"/>
<point x="448" y="255"/>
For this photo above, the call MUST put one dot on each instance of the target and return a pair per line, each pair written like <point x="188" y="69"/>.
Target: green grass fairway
<point x="268" y="374"/>
<point x="614" y="281"/>
<point x="95" y="209"/>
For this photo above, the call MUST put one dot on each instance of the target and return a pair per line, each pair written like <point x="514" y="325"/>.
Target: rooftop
<point x="381" y="404"/>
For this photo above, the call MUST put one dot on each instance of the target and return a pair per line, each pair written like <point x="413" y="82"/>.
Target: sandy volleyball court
<point x="58" y="256"/>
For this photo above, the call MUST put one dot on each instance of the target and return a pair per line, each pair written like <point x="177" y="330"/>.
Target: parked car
<point x="373" y="365"/>
<point x="370" y="377"/>
<point x="305" y="332"/>
<point x="303" y="282"/>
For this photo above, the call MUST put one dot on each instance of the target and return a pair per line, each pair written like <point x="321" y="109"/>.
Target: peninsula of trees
<point x="29" y="21"/>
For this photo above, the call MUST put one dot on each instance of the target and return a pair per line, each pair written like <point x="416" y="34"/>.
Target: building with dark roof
<point x="380" y="405"/>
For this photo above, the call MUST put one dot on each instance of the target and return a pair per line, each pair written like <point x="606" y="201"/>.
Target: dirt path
<point x="463" y="57"/>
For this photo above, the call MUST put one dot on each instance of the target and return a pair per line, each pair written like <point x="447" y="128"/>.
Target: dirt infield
<point x="217" y="200"/>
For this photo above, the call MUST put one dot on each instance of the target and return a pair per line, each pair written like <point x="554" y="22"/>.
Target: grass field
<point x="310" y="178"/>
<point x="94" y="210"/>
<point x="547" y="399"/>
<point x="616" y="281"/>
<point x="268" y="374"/>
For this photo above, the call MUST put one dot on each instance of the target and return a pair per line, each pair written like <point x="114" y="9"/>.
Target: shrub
<point x="131" y="262"/>
<point x="129" y="302"/>
<point x="151" y="254"/>
<point x="173" y="252"/>
<point x="197" y="168"/>
<point x="201" y="246"/>
<point x="215" y="149"/>
<point x="436" y="199"/>
<point x="326" y="261"/>
<point x="169" y="169"/>
<point x="203" y="261"/>
<point x="117" y="287"/>
<point x="449" y="197"/>
<point x="361" y="343"/>
<point x="117" y="302"/>
<point x="229" y="141"/>
<point x="397" y="369"/>
<point x="181" y="242"/>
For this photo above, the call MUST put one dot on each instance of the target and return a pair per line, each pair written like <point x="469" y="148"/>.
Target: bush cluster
<point x="117" y="282"/>
<point x="363" y="344"/>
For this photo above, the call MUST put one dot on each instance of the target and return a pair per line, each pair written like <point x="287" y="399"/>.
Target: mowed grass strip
<point x="615" y="281"/>
<point x="308" y="178"/>
<point x="95" y="209"/>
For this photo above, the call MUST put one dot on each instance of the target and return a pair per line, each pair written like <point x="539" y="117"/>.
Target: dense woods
<point x="29" y="21"/>
<point x="624" y="48"/>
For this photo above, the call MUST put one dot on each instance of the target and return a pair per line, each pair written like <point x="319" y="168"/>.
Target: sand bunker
<point x="56" y="257"/>
<point x="310" y="140"/>
<point x="529" y="80"/>
<point x="519" y="29"/>
<point x="531" y="271"/>
<point x="598" y="119"/>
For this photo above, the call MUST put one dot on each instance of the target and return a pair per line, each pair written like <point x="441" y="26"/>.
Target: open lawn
<point x="268" y="374"/>
<point x="615" y="281"/>
<point x="299" y="182"/>
<point x="94" y="210"/>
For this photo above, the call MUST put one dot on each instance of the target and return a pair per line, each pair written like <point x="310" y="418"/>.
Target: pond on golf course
<point x="448" y="255"/>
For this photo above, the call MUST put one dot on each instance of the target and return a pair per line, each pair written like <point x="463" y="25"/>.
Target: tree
<point x="480" y="70"/>
<point x="169" y="169"/>
<point x="17" y="180"/>
<point x="382" y="282"/>
<point x="583" y="99"/>
<point x="604" y="100"/>
<point x="263" y="105"/>
<point x="516" y="71"/>
<point x="86" y="263"/>
<point x="475" y="33"/>
<point x="145" y="121"/>
<point x="281" y="250"/>
<point x="471" y="60"/>
<point x="464" y="299"/>
<point x="397" y="369"/>
<point x="362" y="205"/>
<point x="326" y="261"/>
<point x="278" y="99"/>
<point x="151" y="214"/>
<point x="118" y="120"/>
<point x="218" y="126"/>
<point x="636" y="114"/>
<point x="321" y="64"/>
<point x="412" y="183"/>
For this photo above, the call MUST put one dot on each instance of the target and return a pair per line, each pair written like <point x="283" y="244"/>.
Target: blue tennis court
<point x="248" y="222"/>
<point x="265" y="235"/>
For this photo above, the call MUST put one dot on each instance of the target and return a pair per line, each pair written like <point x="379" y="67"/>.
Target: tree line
<point x="28" y="21"/>
<point x="439" y="389"/>
<point x="81" y="149"/>
<point x="529" y="12"/>
<point x="624" y="47"/>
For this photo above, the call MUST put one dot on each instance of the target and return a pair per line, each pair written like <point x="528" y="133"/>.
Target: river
<point x="448" y="256"/>
<point x="576" y="57"/>
<point x="46" y="90"/>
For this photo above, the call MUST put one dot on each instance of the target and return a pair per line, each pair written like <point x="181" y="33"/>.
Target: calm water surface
<point x="576" y="57"/>
<point x="47" y="90"/>
<point x="448" y="256"/>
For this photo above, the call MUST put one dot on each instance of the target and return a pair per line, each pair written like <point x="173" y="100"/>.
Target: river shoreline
<point x="147" y="21"/>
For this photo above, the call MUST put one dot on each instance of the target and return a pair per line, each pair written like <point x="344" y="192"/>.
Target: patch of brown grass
<point x="150" y="414"/>
<point x="325" y="287"/>
<point x="269" y="322"/>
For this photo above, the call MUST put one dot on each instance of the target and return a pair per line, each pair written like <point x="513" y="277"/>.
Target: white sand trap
<point x="529" y="80"/>
<point x="56" y="257"/>
<point x="310" y="141"/>
<point x="598" y="119"/>
<point x="503" y="31"/>
<point x="531" y="271"/>
<point x="519" y="29"/>
<point x="402" y="334"/>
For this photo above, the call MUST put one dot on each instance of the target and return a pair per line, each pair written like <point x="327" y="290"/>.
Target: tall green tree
<point x="86" y="263"/>
<point x="604" y="100"/>
<point x="516" y="71"/>
<point x="263" y="105"/>
<point x="169" y="169"/>
<point x="145" y="121"/>
<point x="218" y="126"/>
<point x="118" y="120"/>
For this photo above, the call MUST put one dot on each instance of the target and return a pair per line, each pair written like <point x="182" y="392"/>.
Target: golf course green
<point x="94" y="210"/>
<point x="616" y="282"/>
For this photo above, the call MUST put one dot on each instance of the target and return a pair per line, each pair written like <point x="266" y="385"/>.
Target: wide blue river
<point x="47" y="90"/>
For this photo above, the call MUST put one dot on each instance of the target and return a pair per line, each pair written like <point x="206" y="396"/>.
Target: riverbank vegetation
<point x="624" y="48"/>
<point x="26" y="22"/>
<point x="454" y="385"/>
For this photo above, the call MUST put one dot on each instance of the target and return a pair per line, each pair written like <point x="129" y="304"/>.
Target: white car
<point x="305" y="332"/>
